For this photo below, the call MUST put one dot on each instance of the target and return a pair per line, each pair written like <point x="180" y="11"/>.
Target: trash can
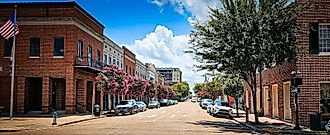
<point x="315" y="121"/>
<point x="97" y="110"/>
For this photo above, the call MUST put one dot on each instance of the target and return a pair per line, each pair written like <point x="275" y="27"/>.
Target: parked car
<point x="219" y="109"/>
<point x="175" y="102"/>
<point x="210" y="106"/>
<point x="170" y="102"/>
<point x="126" y="106"/>
<point x="164" y="102"/>
<point x="205" y="103"/>
<point x="327" y="127"/>
<point x="154" y="104"/>
<point x="141" y="106"/>
<point x="194" y="100"/>
<point x="199" y="100"/>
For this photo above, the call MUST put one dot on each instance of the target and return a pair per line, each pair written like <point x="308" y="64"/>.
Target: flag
<point x="7" y="30"/>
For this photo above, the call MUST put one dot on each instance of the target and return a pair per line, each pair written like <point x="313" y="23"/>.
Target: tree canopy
<point x="181" y="89"/>
<point x="246" y="34"/>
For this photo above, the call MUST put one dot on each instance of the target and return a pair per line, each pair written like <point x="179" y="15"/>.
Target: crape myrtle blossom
<point x="117" y="82"/>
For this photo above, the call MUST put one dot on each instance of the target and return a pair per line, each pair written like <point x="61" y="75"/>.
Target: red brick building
<point x="58" y="54"/>
<point x="314" y="65"/>
<point x="129" y="61"/>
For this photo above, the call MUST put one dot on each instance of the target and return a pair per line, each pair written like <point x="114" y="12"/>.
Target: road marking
<point x="173" y="116"/>
<point x="150" y="116"/>
<point x="163" y="111"/>
<point x="184" y="115"/>
<point x="178" y="111"/>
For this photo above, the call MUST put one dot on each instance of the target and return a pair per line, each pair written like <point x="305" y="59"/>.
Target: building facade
<point x="113" y="54"/>
<point x="151" y="72"/>
<point x="171" y="75"/>
<point x="141" y="70"/>
<point x="277" y="100"/>
<point x="129" y="62"/>
<point x="58" y="55"/>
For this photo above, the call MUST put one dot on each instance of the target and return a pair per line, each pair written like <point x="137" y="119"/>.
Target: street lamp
<point x="295" y="82"/>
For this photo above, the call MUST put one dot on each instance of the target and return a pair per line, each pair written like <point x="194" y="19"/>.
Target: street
<point x="184" y="118"/>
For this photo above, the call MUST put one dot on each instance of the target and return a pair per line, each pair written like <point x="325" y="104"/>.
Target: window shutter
<point x="314" y="38"/>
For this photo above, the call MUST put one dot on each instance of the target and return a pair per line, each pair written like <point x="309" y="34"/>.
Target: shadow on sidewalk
<point x="224" y="126"/>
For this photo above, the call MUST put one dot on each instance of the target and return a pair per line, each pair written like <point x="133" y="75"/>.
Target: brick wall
<point x="314" y="68"/>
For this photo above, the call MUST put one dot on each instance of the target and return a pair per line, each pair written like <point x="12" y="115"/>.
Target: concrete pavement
<point x="184" y="118"/>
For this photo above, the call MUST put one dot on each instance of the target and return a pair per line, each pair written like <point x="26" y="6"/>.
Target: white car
<point x="141" y="106"/>
<point x="219" y="109"/>
<point x="205" y="103"/>
<point x="327" y="127"/>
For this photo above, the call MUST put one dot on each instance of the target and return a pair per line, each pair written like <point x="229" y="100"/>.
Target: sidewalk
<point x="274" y="126"/>
<point x="35" y="123"/>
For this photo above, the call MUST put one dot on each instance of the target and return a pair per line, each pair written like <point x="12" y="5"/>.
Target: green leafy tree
<point x="181" y="89"/>
<point x="234" y="88"/>
<point x="198" y="87"/>
<point x="246" y="34"/>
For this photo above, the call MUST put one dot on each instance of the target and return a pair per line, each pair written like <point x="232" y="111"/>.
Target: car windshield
<point x="123" y="103"/>
<point x="218" y="103"/>
<point x="153" y="102"/>
<point x="139" y="103"/>
<point x="207" y="100"/>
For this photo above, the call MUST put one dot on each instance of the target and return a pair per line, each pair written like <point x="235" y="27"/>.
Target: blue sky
<point x="157" y="31"/>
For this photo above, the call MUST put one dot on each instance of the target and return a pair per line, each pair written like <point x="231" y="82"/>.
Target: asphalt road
<point x="184" y="118"/>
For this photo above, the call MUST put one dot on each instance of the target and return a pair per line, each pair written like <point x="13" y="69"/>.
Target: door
<point x="275" y="100"/>
<point x="286" y="95"/>
<point x="265" y="98"/>
<point x="34" y="94"/>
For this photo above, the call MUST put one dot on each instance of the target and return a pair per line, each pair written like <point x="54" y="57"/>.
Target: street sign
<point x="295" y="90"/>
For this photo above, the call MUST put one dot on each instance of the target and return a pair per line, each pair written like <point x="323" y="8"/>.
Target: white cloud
<point x="164" y="49"/>
<point x="197" y="8"/>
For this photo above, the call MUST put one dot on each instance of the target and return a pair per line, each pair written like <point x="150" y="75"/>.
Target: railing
<point x="89" y="63"/>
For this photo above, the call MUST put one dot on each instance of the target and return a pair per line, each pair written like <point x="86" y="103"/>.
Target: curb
<point x="78" y="121"/>
<point x="249" y="126"/>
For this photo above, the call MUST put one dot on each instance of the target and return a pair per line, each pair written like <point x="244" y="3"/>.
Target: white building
<point x="171" y="75"/>
<point x="113" y="53"/>
<point x="141" y="70"/>
<point x="151" y="72"/>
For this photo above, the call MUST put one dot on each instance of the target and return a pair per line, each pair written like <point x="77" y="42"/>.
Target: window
<point x="34" y="46"/>
<point x="80" y="49"/>
<point x="8" y="46"/>
<point x="105" y="58"/>
<point x="59" y="46"/>
<point x="117" y="62"/>
<point x="114" y="61"/>
<point x="126" y="69"/>
<point x="324" y="38"/>
<point x="98" y="55"/>
<point x="121" y="65"/>
<point x="130" y="70"/>
<point x="105" y="46"/>
<point x="325" y="98"/>
<point x="90" y="56"/>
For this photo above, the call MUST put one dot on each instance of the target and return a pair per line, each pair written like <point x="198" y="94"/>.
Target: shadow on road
<point x="223" y="126"/>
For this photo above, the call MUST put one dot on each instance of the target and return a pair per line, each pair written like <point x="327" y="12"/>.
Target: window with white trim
<point x="324" y="38"/>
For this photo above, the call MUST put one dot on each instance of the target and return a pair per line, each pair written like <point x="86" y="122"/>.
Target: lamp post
<point x="296" y="81"/>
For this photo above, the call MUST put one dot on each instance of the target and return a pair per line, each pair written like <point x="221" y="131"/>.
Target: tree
<point x="181" y="89"/>
<point x="198" y="87"/>
<point x="234" y="88"/>
<point x="245" y="34"/>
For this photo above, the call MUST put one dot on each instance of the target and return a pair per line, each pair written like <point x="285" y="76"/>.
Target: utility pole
<point x="296" y="81"/>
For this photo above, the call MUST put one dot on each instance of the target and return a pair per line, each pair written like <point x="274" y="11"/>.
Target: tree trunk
<point x="237" y="108"/>
<point x="254" y="96"/>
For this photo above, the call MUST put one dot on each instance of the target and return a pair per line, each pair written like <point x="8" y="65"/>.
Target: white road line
<point x="184" y="115"/>
<point x="172" y="115"/>
<point x="150" y="116"/>
<point x="163" y="111"/>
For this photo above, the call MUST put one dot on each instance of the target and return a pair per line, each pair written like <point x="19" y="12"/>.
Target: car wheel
<point x="132" y="111"/>
<point x="230" y="117"/>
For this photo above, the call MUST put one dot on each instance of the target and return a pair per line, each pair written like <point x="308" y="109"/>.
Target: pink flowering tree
<point x="112" y="80"/>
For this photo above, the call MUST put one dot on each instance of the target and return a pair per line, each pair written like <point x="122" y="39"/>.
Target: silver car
<point x="141" y="106"/>
<point x="205" y="103"/>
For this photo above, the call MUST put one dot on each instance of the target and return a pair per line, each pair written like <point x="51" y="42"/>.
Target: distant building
<point x="151" y="72"/>
<point x="141" y="70"/>
<point x="171" y="75"/>
<point x="113" y="54"/>
<point x="160" y="78"/>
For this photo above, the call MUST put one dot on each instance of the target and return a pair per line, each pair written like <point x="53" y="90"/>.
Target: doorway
<point x="89" y="96"/>
<point x="265" y="98"/>
<point x="275" y="100"/>
<point x="287" y="96"/>
<point x="58" y="94"/>
<point x="33" y="94"/>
